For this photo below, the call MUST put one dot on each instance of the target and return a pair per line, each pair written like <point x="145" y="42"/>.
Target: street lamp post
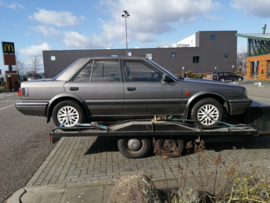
<point x="126" y="15"/>
<point x="233" y="68"/>
<point x="183" y="71"/>
<point x="215" y="69"/>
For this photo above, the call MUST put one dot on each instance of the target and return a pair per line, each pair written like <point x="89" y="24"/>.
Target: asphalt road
<point x="24" y="145"/>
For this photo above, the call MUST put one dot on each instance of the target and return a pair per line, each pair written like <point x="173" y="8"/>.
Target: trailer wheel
<point x="134" y="147"/>
<point x="171" y="147"/>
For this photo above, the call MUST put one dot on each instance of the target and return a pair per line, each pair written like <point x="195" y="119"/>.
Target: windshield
<point x="164" y="70"/>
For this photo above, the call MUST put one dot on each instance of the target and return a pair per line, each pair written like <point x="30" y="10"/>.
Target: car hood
<point x="210" y="82"/>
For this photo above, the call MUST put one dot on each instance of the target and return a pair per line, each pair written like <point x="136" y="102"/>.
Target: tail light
<point x="217" y="77"/>
<point x="20" y="92"/>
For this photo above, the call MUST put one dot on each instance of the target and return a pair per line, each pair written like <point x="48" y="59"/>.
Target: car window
<point x="106" y="71"/>
<point x="232" y="75"/>
<point x="84" y="75"/>
<point x="220" y="74"/>
<point x="139" y="71"/>
<point x="215" y="74"/>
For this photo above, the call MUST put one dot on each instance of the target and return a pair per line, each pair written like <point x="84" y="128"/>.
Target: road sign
<point x="8" y="47"/>
<point x="9" y="53"/>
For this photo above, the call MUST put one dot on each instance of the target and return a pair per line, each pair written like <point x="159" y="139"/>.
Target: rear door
<point x="100" y="84"/>
<point x="146" y="94"/>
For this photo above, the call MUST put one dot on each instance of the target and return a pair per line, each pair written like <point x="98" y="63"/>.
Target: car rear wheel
<point x="206" y="111"/>
<point x="68" y="112"/>
<point x="222" y="80"/>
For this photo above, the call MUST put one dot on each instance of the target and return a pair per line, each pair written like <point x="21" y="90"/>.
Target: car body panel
<point x="153" y="98"/>
<point x="101" y="99"/>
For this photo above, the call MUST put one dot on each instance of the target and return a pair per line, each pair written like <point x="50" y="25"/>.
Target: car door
<point x="146" y="94"/>
<point x="232" y="77"/>
<point x="100" y="84"/>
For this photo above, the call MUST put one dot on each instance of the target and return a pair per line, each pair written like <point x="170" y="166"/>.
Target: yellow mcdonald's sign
<point x="8" y="48"/>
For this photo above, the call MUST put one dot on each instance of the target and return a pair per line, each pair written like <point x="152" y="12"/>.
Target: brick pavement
<point x="97" y="160"/>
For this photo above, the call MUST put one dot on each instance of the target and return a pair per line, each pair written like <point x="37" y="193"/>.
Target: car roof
<point x="114" y="57"/>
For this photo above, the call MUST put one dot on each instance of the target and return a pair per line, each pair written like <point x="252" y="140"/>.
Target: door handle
<point x="74" y="88"/>
<point x="131" y="88"/>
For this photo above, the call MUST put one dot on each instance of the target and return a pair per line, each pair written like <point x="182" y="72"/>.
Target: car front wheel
<point x="68" y="112"/>
<point x="206" y="111"/>
<point x="240" y="79"/>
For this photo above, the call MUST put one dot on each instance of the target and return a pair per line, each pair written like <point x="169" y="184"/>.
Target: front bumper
<point x="31" y="108"/>
<point x="239" y="106"/>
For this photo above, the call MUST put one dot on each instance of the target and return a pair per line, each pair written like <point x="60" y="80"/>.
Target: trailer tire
<point x="171" y="147"/>
<point x="134" y="147"/>
<point x="70" y="110"/>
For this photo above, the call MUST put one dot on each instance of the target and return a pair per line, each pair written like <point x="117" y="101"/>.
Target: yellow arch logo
<point x="8" y="47"/>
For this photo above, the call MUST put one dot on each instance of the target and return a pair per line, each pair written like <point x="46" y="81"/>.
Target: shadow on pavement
<point x="103" y="144"/>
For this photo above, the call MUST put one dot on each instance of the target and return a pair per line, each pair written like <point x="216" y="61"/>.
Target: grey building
<point x="205" y="51"/>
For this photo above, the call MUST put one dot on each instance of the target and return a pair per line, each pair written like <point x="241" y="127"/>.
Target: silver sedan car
<point x="114" y="88"/>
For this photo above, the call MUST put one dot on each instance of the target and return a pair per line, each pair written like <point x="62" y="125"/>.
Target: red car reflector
<point x="20" y="92"/>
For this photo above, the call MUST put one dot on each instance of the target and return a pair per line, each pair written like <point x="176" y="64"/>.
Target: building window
<point x="225" y="55"/>
<point x="149" y="56"/>
<point x="173" y="54"/>
<point x="196" y="59"/>
<point x="52" y="58"/>
<point x="114" y="55"/>
<point x="213" y="37"/>
<point x="129" y="53"/>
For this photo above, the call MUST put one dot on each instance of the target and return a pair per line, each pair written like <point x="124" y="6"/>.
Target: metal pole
<point x="9" y="79"/>
<point x="126" y="37"/>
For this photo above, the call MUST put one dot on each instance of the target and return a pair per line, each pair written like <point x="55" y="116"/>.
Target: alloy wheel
<point x="207" y="113"/>
<point x="68" y="115"/>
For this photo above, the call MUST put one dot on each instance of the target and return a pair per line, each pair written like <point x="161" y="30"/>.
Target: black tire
<point x="76" y="114"/>
<point x="211" y="106"/>
<point x="171" y="147"/>
<point x="222" y="80"/>
<point x="140" y="148"/>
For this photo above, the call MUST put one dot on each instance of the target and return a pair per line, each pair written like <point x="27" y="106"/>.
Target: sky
<point x="98" y="24"/>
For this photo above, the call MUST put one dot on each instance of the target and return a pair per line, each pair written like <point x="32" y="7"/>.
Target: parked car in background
<point x="113" y="88"/>
<point x="227" y="76"/>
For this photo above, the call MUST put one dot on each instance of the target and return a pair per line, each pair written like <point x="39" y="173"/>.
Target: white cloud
<point x="241" y="48"/>
<point x="56" y="18"/>
<point x="47" y="31"/>
<point x="35" y="50"/>
<point x="258" y="8"/>
<point x="12" y="6"/>
<point x="150" y="17"/>
<point x="76" y="40"/>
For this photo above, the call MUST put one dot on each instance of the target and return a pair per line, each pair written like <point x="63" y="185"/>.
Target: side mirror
<point x="166" y="78"/>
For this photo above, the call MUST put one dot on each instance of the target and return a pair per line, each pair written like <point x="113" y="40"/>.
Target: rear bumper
<point x="239" y="106"/>
<point x="32" y="109"/>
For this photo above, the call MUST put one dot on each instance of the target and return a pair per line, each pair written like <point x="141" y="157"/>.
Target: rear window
<point x="215" y="74"/>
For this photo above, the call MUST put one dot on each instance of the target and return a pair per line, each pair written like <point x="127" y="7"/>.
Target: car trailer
<point x="135" y="136"/>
